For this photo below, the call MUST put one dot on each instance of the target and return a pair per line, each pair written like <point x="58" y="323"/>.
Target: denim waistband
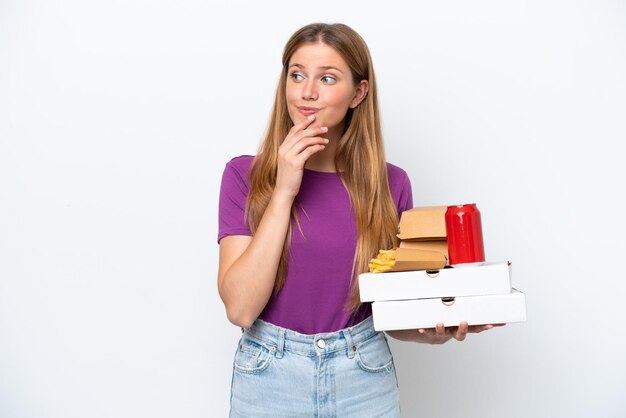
<point x="281" y="339"/>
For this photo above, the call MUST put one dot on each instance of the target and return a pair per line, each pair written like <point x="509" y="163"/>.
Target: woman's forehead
<point x="317" y="56"/>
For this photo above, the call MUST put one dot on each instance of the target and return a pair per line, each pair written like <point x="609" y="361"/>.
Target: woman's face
<point x="319" y="82"/>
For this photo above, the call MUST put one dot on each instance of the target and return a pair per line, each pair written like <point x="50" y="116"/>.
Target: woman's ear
<point x="360" y="93"/>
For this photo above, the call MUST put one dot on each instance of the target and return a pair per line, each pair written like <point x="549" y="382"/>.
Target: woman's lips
<point x="307" y="111"/>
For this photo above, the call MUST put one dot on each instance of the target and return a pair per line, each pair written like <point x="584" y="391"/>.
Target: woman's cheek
<point x="294" y="116"/>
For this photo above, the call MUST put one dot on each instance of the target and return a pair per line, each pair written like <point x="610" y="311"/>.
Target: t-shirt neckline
<point x="328" y="174"/>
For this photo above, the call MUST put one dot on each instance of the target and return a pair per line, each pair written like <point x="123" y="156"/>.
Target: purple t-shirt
<point x="317" y="285"/>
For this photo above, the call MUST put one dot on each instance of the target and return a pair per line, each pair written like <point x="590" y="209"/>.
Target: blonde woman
<point x="298" y="222"/>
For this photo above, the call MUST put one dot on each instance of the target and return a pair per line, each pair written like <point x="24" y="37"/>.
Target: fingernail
<point x="421" y="331"/>
<point x="311" y="117"/>
<point x="324" y="129"/>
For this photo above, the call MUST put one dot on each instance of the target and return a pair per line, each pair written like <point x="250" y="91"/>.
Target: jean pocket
<point x="252" y="356"/>
<point x="374" y="355"/>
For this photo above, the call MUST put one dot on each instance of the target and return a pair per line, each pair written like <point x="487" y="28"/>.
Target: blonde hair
<point x="359" y="155"/>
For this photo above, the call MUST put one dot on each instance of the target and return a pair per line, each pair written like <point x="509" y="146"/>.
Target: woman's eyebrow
<point x="323" y="67"/>
<point x="330" y="67"/>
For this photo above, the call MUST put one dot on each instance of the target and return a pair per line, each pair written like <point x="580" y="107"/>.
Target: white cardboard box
<point x="426" y="313"/>
<point x="487" y="279"/>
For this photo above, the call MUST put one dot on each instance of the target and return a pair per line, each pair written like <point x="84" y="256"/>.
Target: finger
<point x="491" y="326"/>
<point x="298" y="127"/>
<point x="302" y="150"/>
<point x="310" y="132"/>
<point x="480" y="328"/>
<point x="305" y="143"/>
<point x="440" y="330"/>
<point x="461" y="332"/>
<point x="476" y="328"/>
<point x="306" y="153"/>
<point x="303" y="124"/>
<point x="293" y="139"/>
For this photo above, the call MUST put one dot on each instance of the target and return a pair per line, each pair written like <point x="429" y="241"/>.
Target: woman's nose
<point x="309" y="90"/>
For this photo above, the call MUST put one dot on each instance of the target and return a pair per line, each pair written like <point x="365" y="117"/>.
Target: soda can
<point x="465" y="235"/>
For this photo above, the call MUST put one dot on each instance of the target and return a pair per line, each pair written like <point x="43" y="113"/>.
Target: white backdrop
<point x="116" y="120"/>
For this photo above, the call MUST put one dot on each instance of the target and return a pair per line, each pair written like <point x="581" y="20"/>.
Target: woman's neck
<point x="324" y="160"/>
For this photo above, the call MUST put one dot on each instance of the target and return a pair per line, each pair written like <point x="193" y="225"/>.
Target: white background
<point x="116" y="120"/>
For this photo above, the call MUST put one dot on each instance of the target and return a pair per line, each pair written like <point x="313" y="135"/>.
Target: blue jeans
<point x="281" y="373"/>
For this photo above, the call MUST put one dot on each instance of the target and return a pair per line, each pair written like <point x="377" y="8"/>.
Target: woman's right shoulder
<point x="235" y="179"/>
<point x="240" y="165"/>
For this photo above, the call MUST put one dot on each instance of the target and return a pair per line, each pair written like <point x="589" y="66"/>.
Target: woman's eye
<point x="296" y="77"/>
<point x="327" y="79"/>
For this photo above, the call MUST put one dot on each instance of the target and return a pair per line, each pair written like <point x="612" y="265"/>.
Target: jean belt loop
<point x="349" y="343"/>
<point x="281" y="343"/>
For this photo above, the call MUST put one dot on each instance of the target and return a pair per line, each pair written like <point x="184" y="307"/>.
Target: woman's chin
<point x="300" y="119"/>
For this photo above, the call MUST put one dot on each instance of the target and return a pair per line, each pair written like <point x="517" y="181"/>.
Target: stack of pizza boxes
<point x="422" y="290"/>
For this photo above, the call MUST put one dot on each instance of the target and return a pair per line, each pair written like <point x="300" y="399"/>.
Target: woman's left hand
<point x="440" y="334"/>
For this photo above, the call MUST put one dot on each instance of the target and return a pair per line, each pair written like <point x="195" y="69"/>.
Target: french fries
<point x="384" y="261"/>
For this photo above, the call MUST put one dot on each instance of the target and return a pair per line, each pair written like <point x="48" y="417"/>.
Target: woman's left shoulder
<point x="400" y="187"/>
<point x="396" y="174"/>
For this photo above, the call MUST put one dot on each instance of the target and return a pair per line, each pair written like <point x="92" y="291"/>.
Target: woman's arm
<point x="439" y="334"/>
<point x="248" y="265"/>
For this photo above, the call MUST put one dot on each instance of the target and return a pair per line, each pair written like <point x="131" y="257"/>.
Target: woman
<point x="298" y="223"/>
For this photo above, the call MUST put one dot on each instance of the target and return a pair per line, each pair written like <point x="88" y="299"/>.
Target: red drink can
<point x="465" y="234"/>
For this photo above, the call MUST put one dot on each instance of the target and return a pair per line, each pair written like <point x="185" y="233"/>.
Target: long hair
<point x="359" y="156"/>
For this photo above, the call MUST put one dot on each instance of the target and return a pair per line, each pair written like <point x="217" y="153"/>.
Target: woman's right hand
<point x="300" y="144"/>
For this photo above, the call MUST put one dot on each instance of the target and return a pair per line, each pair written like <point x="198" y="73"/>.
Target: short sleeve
<point x="232" y="203"/>
<point x="405" y="201"/>
<point x="400" y="187"/>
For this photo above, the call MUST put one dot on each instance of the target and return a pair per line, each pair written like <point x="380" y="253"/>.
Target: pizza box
<point x="427" y="313"/>
<point x="486" y="279"/>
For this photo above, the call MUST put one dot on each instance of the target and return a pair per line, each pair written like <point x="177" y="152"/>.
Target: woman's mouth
<point x="307" y="111"/>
